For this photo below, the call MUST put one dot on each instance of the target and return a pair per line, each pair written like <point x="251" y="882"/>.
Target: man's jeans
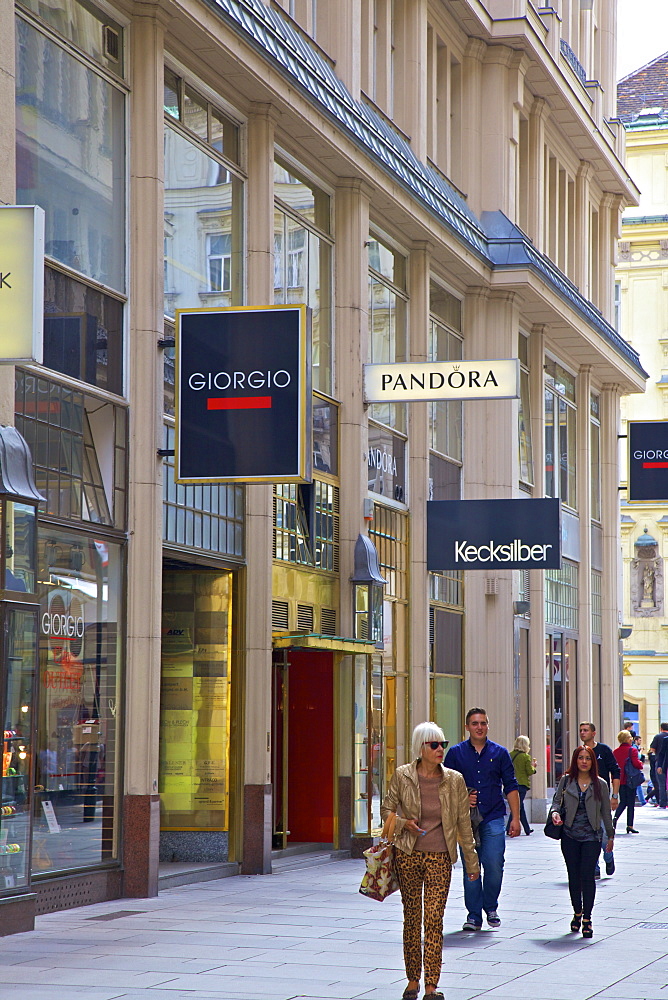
<point x="483" y="894"/>
<point x="661" y="784"/>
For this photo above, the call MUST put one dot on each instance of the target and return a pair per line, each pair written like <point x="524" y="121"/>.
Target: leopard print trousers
<point x="431" y="870"/>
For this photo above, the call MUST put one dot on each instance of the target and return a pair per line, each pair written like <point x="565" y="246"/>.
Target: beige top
<point x="430" y="816"/>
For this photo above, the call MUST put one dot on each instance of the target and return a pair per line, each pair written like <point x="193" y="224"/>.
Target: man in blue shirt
<point x="489" y="773"/>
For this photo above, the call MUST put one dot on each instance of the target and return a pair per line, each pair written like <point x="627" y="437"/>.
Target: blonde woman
<point x="525" y="767"/>
<point x="433" y="817"/>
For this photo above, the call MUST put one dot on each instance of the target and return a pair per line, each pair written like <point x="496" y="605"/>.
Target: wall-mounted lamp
<point x="367" y="592"/>
<point x="521" y="607"/>
<point x="625" y="631"/>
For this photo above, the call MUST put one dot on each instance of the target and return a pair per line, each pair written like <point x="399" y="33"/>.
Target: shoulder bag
<point x="550" y="830"/>
<point x="634" y="777"/>
<point x="380" y="879"/>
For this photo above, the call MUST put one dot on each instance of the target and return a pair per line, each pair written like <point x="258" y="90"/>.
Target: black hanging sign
<point x="648" y="460"/>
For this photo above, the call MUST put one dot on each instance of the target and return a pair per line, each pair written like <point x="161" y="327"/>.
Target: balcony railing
<point x="573" y="61"/>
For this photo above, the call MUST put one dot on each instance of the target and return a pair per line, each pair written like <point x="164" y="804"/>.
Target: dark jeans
<point x="661" y="785"/>
<point x="523" y="816"/>
<point x="581" y="857"/>
<point x="627" y="799"/>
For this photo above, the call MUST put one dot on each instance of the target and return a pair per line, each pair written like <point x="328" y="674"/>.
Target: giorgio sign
<point x="648" y="460"/>
<point x="243" y="395"/>
<point x="493" y="534"/>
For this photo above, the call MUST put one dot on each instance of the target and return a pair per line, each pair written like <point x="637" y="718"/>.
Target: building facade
<point x="436" y="182"/>
<point x="642" y="305"/>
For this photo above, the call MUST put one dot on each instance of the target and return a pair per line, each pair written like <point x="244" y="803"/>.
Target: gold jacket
<point x="403" y="798"/>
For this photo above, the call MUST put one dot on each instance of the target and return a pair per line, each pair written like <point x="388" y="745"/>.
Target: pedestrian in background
<point x="433" y="816"/>
<point x="608" y="769"/>
<point x="581" y="804"/>
<point x="657" y="747"/>
<point x="627" y="795"/>
<point x="489" y="773"/>
<point x="525" y="768"/>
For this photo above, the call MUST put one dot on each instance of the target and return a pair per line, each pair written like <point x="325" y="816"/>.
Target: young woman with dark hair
<point x="581" y="802"/>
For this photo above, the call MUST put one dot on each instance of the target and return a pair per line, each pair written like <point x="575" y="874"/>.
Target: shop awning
<point x="312" y="640"/>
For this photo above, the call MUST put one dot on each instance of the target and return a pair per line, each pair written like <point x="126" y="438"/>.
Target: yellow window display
<point x="194" y="703"/>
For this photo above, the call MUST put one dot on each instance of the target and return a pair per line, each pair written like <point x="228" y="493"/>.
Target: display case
<point x="20" y="656"/>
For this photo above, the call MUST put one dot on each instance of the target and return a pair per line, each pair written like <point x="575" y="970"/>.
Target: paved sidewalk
<point x="308" y="934"/>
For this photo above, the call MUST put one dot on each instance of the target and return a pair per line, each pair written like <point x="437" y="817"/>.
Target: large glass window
<point x="79" y="449"/>
<point x="387" y="321"/>
<point x="445" y="344"/>
<point x="76" y="801"/>
<point x="560" y="436"/>
<point x="94" y="33"/>
<point x="70" y="155"/>
<point x="303" y="260"/>
<point x="561" y="596"/>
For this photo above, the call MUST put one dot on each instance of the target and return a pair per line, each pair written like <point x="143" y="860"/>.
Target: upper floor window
<point x="445" y="344"/>
<point x="387" y="321"/>
<point x="560" y="433"/>
<point x="91" y="31"/>
<point x="303" y="260"/>
<point x="204" y="203"/>
<point x="595" y="452"/>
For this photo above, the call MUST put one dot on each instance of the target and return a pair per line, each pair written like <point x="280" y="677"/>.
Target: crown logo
<point x="455" y="368"/>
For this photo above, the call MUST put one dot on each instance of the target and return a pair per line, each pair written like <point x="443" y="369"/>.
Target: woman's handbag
<point x="550" y="830"/>
<point x="380" y="879"/>
<point x="634" y="777"/>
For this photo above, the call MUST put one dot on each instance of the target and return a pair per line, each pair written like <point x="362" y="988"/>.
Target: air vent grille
<point x="431" y="626"/>
<point x="112" y="43"/>
<point x="328" y="621"/>
<point x="280" y="616"/>
<point x="305" y="619"/>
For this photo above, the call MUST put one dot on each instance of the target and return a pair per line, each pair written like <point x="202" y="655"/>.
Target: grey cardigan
<point x="567" y="794"/>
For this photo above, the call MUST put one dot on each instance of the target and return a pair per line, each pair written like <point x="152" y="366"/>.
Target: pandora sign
<point x="493" y="534"/>
<point x="406" y="382"/>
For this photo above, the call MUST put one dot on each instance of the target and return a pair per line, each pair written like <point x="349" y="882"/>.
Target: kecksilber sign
<point x="493" y="534"/>
<point x="414" y="381"/>
<point x="243" y="395"/>
<point x="21" y="283"/>
<point x="648" y="460"/>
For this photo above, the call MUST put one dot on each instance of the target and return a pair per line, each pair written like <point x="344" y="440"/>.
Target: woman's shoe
<point x="587" y="929"/>
<point x="410" y="994"/>
<point x="631" y="829"/>
<point x="575" y="922"/>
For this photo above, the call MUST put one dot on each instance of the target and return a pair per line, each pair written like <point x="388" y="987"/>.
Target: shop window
<point x="389" y="533"/>
<point x="195" y="705"/>
<point x="207" y="516"/>
<point x="306" y="524"/>
<point x="387" y="322"/>
<point x="303" y="260"/>
<point x="560" y="434"/>
<point x="70" y="152"/>
<point x="79" y="449"/>
<point x="446" y="669"/>
<point x="368" y="744"/>
<point x="92" y="32"/>
<point x="76" y="809"/>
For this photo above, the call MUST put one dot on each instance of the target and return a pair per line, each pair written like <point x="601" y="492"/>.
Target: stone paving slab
<point x="309" y="935"/>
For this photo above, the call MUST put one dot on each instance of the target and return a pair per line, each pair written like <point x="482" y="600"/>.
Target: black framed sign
<point x="493" y="534"/>
<point x="243" y="395"/>
<point x="648" y="460"/>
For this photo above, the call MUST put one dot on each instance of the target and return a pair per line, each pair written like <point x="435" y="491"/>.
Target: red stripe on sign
<point x="655" y="465"/>
<point x="238" y="403"/>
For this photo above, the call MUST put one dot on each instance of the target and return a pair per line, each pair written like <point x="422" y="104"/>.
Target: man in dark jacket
<point x="658" y="747"/>
<point x="608" y="769"/>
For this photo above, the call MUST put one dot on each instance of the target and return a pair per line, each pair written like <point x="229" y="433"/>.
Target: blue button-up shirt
<point x="488" y="772"/>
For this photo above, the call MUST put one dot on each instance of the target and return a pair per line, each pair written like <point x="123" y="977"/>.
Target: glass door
<point x="18" y="676"/>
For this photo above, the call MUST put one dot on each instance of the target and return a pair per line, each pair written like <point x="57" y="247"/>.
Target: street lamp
<point x="367" y="592"/>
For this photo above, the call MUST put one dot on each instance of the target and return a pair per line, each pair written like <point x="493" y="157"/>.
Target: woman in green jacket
<point x="524" y="766"/>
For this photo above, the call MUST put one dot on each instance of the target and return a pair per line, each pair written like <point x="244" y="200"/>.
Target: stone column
<point x="471" y="121"/>
<point x="537" y="708"/>
<point x="491" y="472"/>
<point x="418" y="414"/>
<point x="7" y="175"/>
<point x="256" y="669"/>
<point x="141" y="828"/>
<point x="581" y="277"/>
<point x="606" y="251"/>
<point x="611" y="671"/>
<point x="583" y="676"/>
<point x="410" y="97"/>
<point x="536" y="179"/>
<point x="351" y="205"/>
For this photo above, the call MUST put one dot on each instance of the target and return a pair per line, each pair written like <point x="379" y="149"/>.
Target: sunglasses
<point x="435" y="744"/>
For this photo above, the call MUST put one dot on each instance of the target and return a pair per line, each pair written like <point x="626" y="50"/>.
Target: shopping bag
<point x="380" y="879"/>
